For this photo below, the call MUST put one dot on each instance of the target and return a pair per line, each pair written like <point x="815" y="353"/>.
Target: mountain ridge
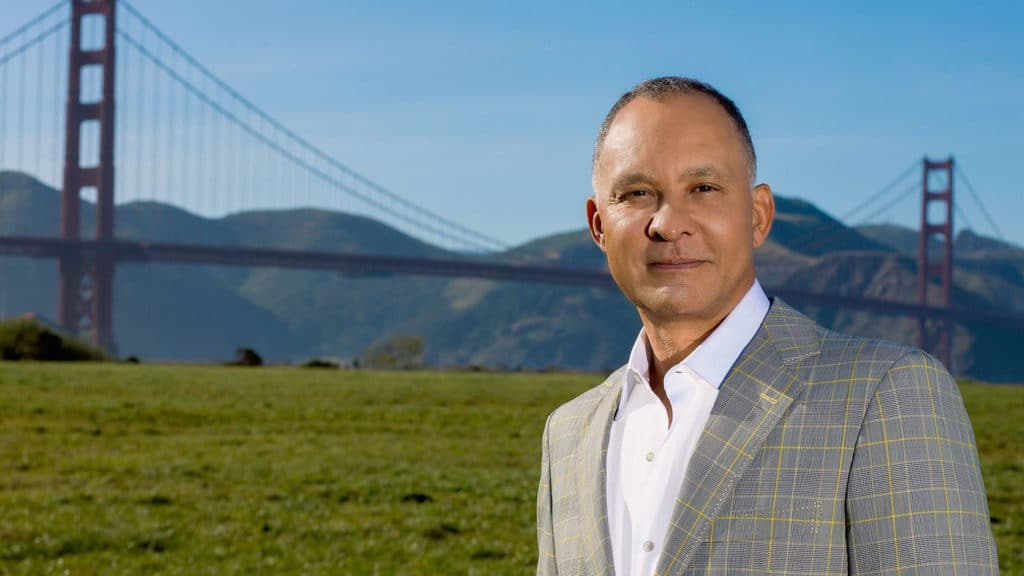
<point x="202" y="313"/>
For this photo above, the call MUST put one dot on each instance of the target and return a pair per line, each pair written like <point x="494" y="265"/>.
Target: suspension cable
<point x="28" y="25"/>
<point x="823" y="240"/>
<point x="977" y="200"/>
<point x="480" y="240"/>
<point x="294" y="158"/>
<point x="812" y="238"/>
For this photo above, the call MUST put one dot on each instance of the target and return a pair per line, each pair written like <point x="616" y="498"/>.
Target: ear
<point x="763" y="213"/>
<point x="594" y="221"/>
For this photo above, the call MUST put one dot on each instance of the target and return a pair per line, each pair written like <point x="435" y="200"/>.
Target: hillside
<point x="173" y="312"/>
<point x="802" y="227"/>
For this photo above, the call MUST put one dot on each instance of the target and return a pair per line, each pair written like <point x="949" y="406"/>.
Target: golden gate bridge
<point x="96" y="99"/>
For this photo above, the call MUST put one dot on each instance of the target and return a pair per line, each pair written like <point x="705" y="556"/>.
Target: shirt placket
<point x="644" y="494"/>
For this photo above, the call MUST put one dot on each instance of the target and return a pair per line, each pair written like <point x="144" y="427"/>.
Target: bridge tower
<point x="86" y="281"/>
<point x="936" y="335"/>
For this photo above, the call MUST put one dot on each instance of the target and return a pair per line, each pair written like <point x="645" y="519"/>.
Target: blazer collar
<point x="592" y="477"/>
<point x="794" y="336"/>
<point x="753" y="398"/>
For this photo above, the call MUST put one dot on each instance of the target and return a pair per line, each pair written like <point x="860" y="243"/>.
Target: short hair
<point x="658" y="89"/>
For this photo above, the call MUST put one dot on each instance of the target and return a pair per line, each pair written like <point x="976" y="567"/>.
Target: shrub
<point x="318" y="363"/>
<point x="246" y="357"/>
<point x="26" y="339"/>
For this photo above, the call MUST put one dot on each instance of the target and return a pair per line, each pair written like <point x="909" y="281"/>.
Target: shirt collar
<point x="713" y="359"/>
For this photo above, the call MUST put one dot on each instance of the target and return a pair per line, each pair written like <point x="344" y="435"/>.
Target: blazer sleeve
<point x="545" y="526"/>
<point x="915" y="498"/>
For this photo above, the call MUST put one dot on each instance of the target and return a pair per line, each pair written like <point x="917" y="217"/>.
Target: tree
<point x="246" y="357"/>
<point x="27" y="339"/>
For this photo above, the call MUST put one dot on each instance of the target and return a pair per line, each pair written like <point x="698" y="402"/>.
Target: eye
<point x="704" y="188"/>
<point x="633" y="195"/>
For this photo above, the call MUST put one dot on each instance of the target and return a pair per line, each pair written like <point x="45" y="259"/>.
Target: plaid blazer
<point x="824" y="454"/>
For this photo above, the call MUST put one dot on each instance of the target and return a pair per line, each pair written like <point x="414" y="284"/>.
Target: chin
<point x="671" y="303"/>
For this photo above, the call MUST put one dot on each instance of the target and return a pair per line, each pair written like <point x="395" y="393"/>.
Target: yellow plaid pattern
<point x="824" y="454"/>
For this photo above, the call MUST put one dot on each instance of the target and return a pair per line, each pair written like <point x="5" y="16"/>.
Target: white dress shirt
<point x="647" y="458"/>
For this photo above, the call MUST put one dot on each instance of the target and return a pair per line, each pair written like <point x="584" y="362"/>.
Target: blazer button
<point x="648" y="546"/>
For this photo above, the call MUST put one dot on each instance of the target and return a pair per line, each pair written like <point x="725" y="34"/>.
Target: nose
<point x="669" y="223"/>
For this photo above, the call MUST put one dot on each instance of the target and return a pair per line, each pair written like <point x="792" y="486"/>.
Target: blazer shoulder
<point x="826" y="359"/>
<point x="873" y="357"/>
<point x="586" y="403"/>
<point x="864" y="366"/>
<point x="824" y="354"/>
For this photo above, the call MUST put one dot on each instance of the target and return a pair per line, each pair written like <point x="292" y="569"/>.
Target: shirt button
<point x="648" y="546"/>
<point x="650" y="456"/>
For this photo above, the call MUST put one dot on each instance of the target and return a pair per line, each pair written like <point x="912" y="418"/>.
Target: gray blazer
<point x="824" y="454"/>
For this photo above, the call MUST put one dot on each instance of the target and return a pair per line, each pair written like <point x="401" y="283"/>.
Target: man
<point x="742" y="438"/>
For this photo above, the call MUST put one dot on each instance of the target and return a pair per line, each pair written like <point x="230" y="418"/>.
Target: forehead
<point x="681" y="128"/>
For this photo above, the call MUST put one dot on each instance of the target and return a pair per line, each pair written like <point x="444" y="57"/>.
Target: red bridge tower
<point x="936" y="335"/>
<point x="86" y="285"/>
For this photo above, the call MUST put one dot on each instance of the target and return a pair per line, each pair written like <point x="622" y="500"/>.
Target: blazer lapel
<point x="593" y="479"/>
<point x="753" y="398"/>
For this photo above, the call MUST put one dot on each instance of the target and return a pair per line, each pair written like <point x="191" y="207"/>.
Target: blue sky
<point x="486" y="111"/>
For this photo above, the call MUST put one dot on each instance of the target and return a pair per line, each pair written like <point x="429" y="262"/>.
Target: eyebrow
<point x="634" y="178"/>
<point x="706" y="171"/>
<point x="630" y="179"/>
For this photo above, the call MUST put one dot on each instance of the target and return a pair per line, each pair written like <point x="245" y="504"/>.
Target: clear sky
<point x="486" y="111"/>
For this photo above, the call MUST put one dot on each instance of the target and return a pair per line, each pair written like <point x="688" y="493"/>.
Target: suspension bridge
<point x="95" y="100"/>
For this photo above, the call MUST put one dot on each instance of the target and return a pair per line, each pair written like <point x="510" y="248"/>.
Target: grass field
<point x="118" y="469"/>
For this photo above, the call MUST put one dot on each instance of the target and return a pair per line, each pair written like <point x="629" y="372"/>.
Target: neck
<point x="672" y="339"/>
<point x="671" y="342"/>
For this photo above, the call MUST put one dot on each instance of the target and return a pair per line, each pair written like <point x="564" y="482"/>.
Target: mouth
<point x="669" y="264"/>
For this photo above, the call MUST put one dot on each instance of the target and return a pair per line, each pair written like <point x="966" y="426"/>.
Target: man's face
<point x="674" y="209"/>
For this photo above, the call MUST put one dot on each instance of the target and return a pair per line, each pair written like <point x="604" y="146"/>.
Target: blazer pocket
<point x="799" y="519"/>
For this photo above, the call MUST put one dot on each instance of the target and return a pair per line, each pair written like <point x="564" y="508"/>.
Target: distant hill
<point x="966" y="244"/>
<point x="802" y="227"/>
<point x="173" y="312"/>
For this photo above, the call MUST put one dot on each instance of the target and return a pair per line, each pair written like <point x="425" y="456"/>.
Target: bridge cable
<point x="22" y="48"/>
<point x="154" y="117"/>
<point x="123" y="74"/>
<point x="906" y="193"/>
<point x="9" y="220"/>
<point x="218" y="165"/>
<point x="231" y="160"/>
<point x="172" y="127"/>
<point x="963" y="216"/>
<point x="28" y="25"/>
<point x="813" y="239"/>
<point x="278" y="148"/>
<point x="55" y="129"/>
<point x="3" y="112"/>
<point x="200" y="157"/>
<point x="187" y="191"/>
<point x="140" y="102"/>
<point x="21" y="112"/>
<point x="244" y="163"/>
<point x="977" y="200"/>
<point x="315" y="151"/>
<point x="39" y="111"/>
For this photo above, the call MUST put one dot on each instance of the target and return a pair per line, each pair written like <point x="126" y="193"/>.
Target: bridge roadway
<point x="468" y="267"/>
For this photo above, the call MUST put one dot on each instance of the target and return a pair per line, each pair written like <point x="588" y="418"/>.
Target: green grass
<point x="997" y="413"/>
<point x="109" y="469"/>
<point x="115" y="469"/>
